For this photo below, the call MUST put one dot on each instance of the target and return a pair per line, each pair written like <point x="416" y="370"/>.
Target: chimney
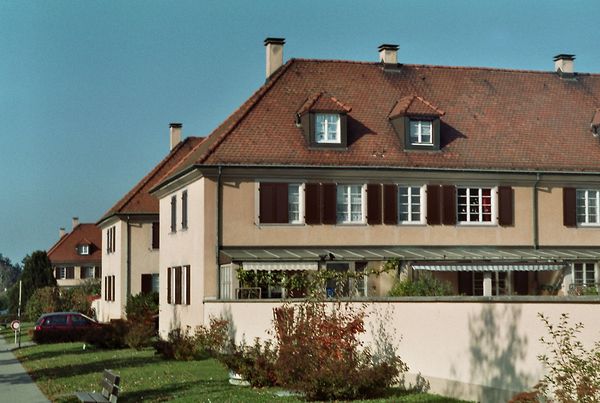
<point x="61" y="232"/>
<point x="274" y="47"/>
<point x="75" y="222"/>
<point x="388" y="53"/>
<point x="174" y="134"/>
<point x="563" y="63"/>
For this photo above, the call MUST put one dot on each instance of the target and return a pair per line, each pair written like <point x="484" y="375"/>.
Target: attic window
<point x="327" y="128"/>
<point x="421" y="132"/>
<point x="84" y="249"/>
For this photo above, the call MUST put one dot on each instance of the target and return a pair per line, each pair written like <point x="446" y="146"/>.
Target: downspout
<point x="535" y="212"/>
<point x="128" y="260"/>
<point x="218" y="237"/>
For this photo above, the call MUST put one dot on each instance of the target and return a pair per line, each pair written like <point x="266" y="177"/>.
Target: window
<point x="155" y="282"/>
<point x="61" y="272"/>
<point x="588" y="206"/>
<point x="84" y="249"/>
<point x="78" y="320"/>
<point x="294" y="203"/>
<point x="281" y="203"/>
<point x="109" y="288"/>
<point x="111" y="239"/>
<point x="584" y="274"/>
<point x="150" y="283"/>
<point x="178" y="285"/>
<point x="184" y="211"/>
<point x="88" y="272"/>
<point x="421" y="132"/>
<point x="327" y="128"/>
<point x="350" y="203"/>
<point x="475" y="205"/>
<point x="173" y="213"/>
<point x="410" y="210"/>
<point x="499" y="283"/>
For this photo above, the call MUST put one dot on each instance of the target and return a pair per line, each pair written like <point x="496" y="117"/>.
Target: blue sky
<point x="88" y="88"/>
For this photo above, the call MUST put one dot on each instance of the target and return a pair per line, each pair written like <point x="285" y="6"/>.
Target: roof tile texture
<point x="65" y="250"/>
<point x="493" y="119"/>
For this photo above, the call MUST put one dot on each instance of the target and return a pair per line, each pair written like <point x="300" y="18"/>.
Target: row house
<point x="487" y="178"/>
<point x="76" y="257"/>
<point x="130" y="235"/>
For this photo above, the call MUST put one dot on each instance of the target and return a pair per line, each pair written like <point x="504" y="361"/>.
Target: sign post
<point x="19" y="315"/>
<point x="16" y="326"/>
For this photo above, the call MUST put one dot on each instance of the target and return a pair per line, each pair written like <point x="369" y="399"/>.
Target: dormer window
<point x="417" y="123"/>
<point x="327" y="128"/>
<point x="84" y="249"/>
<point x="421" y="132"/>
<point x="323" y="121"/>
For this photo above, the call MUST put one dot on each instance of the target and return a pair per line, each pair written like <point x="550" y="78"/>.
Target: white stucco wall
<point x="113" y="264"/>
<point x="477" y="350"/>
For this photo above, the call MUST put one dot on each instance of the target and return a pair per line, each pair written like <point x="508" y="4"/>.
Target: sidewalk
<point x="15" y="383"/>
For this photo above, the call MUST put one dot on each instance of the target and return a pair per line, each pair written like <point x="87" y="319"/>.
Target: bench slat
<point x="89" y="397"/>
<point x="110" y="377"/>
<point x="110" y="390"/>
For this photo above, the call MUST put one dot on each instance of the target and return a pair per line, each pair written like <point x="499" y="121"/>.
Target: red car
<point x="62" y="326"/>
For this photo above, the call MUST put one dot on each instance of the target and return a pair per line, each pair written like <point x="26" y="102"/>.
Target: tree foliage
<point x="37" y="273"/>
<point x="9" y="273"/>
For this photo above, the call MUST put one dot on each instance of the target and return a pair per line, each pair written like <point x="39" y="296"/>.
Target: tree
<point x="8" y="273"/>
<point x="37" y="273"/>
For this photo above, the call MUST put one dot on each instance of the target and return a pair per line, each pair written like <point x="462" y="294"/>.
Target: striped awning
<point x="488" y="267"/>
<point x="412" y="253"/>
<point x="282" y="266"/>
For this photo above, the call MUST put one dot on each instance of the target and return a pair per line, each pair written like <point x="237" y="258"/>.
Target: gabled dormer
<point x="595" y="124"/>
<point x="417" y="123"/>
<point x="324" y="121"/>
<point x="84" y="247"/>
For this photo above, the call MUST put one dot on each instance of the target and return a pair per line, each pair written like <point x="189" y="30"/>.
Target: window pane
<point x="293" y="203"/>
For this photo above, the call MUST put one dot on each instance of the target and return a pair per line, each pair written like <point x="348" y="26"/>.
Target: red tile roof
<point x="65" y="250"/>
<point x="413" y="105"/>
<point x="138" y="200"/>
<point x="494" y="118"/>
<point x="323" y="102"/>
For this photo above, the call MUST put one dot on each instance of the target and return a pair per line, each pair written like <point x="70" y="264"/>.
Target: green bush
<point x="109" y="336"/>
<point x="426" y="285"/>
<point x="43" y="300"/>
<point x="142" y="314"/>
<point x="255" y="363"/>
<point x="180" y="345"/>
<point x="139" y="335"/>
<point x="204" y="342"/>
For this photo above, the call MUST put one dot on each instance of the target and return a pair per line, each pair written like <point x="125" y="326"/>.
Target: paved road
<point x="15" y="383"/>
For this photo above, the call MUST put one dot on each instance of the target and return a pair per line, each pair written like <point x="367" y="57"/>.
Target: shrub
<point x="573" y="371"/>
<point x="139" y="334"/>
<point x="426" y="285"/>
<point x="43" y="300"/>
<point x="203" y="343"/>
<point x="320" y="355"/>
<point x="180" y="345"/>
<point x="111" y="335"/>
<point x="142" y="312"/>
<point x="76" y="299"/>
<point x="255" y="363"/>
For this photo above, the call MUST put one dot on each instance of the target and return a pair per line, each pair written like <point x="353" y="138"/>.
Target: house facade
<point x="130" y="236"/>
<point x="77" y="257"/>
<point x="486" y="178"/>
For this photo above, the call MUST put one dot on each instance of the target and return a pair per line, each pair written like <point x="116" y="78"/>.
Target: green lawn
<point x="61" y="369"/>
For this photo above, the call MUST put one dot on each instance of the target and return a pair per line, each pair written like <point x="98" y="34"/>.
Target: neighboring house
<point x="77" y="256"/>
<point x="130" y="234"/>
<point x="487" y="178"/>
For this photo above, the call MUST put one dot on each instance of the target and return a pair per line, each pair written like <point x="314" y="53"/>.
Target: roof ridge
<point x="138" y="186"/>
<point x="184" y="158"/>
<point x="441" y="66"/>
<point x="61" y="240"/>
<point x="248" y="105"/>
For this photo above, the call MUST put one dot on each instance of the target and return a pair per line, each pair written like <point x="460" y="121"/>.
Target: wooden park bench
<point x="110" y="390"/>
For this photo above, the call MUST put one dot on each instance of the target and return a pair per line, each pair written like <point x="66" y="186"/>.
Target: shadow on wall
<point x="496" y="347"/>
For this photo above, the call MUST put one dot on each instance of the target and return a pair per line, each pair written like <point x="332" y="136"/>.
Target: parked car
<point x="62" y="326"/>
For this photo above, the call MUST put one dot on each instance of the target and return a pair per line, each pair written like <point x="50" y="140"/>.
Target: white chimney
<point x="75" y="222"/>
<point x="174" y="134"/>
<point x="274" y="49"/>
<point x="388" y="53"/>
<point x="563" y="63"/>
<point x="61" y="232"/>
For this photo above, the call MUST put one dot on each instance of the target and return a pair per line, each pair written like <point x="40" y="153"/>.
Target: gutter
<point x="218" y="235"/>
<point x="128" y="294"/>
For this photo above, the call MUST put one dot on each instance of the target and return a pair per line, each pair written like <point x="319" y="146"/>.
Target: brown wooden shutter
<point x="188" y="287"/>
<point x="82" y="272"/>
<point x="374" y="204"/>
<point x="505" y="206"/>
<point x="178" y="285"/>
<point x="433" y="205"/>
<point x="312" y="203"/>
<point x="569" y="207"/>
<point x="155" y="235"/>
<point x="390" y="204"/>
<point x="273" y="203"/>
<point x="146" y="283"/>
<point x="70" y="272"/>
<point x="56" y="272"/>
<point x="448" y="205"/>
<point x="113" y="288"/>
<point x="97" y="272"/>
<point x="169" y="280"/>
<point x="329" y="203"/>
<point x="106" y="288"/>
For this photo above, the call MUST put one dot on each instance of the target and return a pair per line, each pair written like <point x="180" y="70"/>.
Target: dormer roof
<point x="65" y="250"/>
<point x="323" y="102"/>
<point x="414" y="105"/>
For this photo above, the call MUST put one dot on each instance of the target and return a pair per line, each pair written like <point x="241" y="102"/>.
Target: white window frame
<point x="87" y="269"/>
<point x="584" y="275"/>
<point x="155" y="282"/>
<point x="422" y="204"/>
<point x="493" y="207"/>
<point x="583" y="195"/>
<point x="419" y="133"/>
<point x="348" y="213"/>
<point x="326" y="140"/>
<point x="84" y="249"/>
<point x="300" y="219"/>
<point x="62" y="273"/>
<point x="173" y="282"/>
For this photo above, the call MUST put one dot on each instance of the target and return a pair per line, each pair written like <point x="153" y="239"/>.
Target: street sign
<point x="15" y="325"/>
